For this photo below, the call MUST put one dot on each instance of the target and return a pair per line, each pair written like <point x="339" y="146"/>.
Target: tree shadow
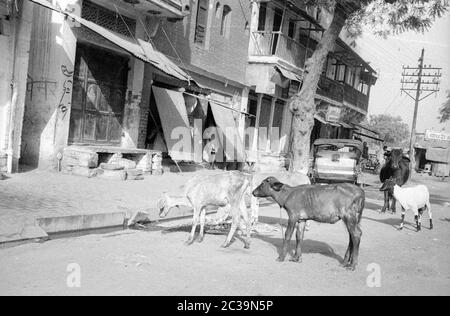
<point x="445" y="220"/>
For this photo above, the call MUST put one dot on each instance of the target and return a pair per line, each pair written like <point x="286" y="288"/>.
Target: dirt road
<point x="157" y="262"/>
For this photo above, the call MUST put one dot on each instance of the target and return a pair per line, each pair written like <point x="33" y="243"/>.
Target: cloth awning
<point x="140" y="49"/>
<point x="320" y="119"/>
<point x="229" y="138"/>
<point x="438" y="155"/>
<point x="345" y="125"/>
<point x="289" y="74"/>
<point x="175" y="123"/>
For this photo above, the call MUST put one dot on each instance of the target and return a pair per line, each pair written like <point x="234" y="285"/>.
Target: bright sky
<point x="387" y="56"/>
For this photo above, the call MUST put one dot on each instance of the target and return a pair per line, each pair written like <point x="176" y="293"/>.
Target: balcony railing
<point x="331" y="89"/>
<point x="340" y="92"/>
<point x="279" y="45"/>
<point x="355" y="97"/>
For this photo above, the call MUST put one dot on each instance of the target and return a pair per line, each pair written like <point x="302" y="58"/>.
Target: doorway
<point x="98" y="98"/>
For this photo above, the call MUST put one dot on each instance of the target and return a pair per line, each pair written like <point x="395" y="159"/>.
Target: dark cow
<point x="320" y="203"/>
<point x="396" y="167"/>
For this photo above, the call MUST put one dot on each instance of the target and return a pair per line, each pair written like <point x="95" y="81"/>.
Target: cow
<point x="320" y="203"/>
<point x="212" y="192"/>
<point x="396" y="167"/>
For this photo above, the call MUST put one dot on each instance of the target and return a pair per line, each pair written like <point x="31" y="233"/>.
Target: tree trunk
<point x="302" y="105"/>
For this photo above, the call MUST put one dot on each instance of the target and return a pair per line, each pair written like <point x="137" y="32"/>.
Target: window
<point x="291" y="29"/>
<point x="262" y="16"/>
<point x="218" y="10"/>
<point x="108" y="19"/>
<point x="202" y="18"/>
<point x="364" y="88"/>
<point x="226" y="22"/>
<point x="331" y="68"/>
<point x="340" y="74"/>
<point x="357" y="77"/>
<point x="350" y="76"/>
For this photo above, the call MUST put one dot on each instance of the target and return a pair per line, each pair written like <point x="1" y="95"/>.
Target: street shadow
<point x="438" y="199"/>
<point x="373" y="206"/>
<point x="308" y="246"/>
<point x="445" y="220"/>
<point x="395" y="223"/>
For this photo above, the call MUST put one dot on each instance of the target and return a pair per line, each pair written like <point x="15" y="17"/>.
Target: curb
<point x="73" y="225"/>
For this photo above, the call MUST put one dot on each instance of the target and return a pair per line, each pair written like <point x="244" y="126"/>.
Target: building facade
<point x="76" y="72"/>
<point x="126" y="74"/>
<point x="283" y="36"/>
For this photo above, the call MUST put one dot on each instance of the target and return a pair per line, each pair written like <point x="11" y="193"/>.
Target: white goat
<point x="413" y="198"/>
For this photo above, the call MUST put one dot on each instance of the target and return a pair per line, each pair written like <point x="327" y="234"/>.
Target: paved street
<point x="27" y="196"/>
<point x="157" y="261"/>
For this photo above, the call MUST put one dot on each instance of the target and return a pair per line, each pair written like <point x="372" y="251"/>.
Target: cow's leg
<point x="299" y="236"/>
<point x="234" y="226"/>
<point x="356" y="239"/>
<point x="403" y="218"/>
<point x="393" y="205"/>
<point x="386" y="202"/>
<point x="194" y="225"/>
<point x="430" y="215"/>
<point x="348" y="254"/>
<point x="236" y="216"/>
<point x="417" y="217"/>
<point x="287" y="239"/>
<point x="202" y="225"/>
<point x="248" y="224"/>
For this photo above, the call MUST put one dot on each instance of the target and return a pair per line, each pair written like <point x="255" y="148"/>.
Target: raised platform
<point x="91" y="156"/>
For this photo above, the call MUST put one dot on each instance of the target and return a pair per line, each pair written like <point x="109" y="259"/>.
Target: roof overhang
<point x="138" y="48"/>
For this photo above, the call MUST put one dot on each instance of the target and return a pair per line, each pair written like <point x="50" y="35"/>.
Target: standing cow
<point x="397" y="168"/>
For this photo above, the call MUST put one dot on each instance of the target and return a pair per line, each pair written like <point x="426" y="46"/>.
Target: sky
<point x="387" y="56"/>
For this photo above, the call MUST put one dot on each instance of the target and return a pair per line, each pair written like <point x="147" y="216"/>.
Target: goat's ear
<point x="276" y="186"/>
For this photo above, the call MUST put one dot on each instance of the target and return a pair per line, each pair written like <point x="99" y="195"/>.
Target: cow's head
<point x="396" y="157"/>
<point x="388" y="185"/>
<point x="268" y="187"/>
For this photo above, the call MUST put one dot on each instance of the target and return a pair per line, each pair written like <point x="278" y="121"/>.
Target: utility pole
<point x="415" y="81"/>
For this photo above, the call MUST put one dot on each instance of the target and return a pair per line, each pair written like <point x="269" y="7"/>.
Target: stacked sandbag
<point x="80" y="162"/>
<point x="79" y="157"/>
<point x="111" y="171"/>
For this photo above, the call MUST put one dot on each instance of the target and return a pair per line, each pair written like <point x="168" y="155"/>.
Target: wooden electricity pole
<point x="415" y="81"/>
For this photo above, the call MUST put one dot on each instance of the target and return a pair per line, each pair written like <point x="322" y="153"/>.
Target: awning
<point x="320" y="119"/>
<point x="175" y="123"/>
<point x="441" y="155"/>
<point x="289" y="74"/>
<point x="368" y="136"/>
<point x="140" y="49"/>
<point x="345" y="125"/>
<point x="230" y="139"/>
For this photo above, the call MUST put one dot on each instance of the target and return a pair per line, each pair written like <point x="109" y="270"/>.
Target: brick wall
<point x="226" y="57"/>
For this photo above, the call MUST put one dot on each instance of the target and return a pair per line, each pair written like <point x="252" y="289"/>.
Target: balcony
<point x="331" y="89"/>
<point x="277" y="44"/>
<point x="356" y="98"/>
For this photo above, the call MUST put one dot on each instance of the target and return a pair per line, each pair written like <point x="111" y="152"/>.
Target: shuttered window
<point x="202" y="20"/>
<point x="262" y="16"/>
